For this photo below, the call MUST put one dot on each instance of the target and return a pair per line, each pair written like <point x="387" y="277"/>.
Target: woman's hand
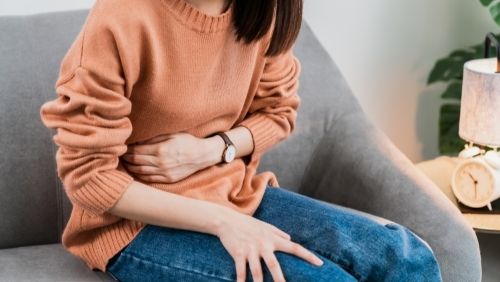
<point x="248" y="238"/>
<point x="171" y="157"/>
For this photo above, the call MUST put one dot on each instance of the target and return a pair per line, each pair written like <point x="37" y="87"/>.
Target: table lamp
<point x="476" y="180"/>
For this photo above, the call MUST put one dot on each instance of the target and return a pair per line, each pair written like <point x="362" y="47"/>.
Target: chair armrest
<point x="357" y="166"/>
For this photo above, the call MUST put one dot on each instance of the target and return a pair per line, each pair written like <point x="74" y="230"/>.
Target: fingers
<point x="153" y="178"/>
<point x="144" y="149"/>
<point x="255" y="267"/>
<point x="274" y="266"/>
<point x="140" y="159"/>
<point x="280" y="232"/>
<point x="298" y="250"/>
<point x="143" y="169"/>
<point x="241" y="265"/>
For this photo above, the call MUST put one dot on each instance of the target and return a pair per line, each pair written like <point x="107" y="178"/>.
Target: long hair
<point x="253" y="19"/>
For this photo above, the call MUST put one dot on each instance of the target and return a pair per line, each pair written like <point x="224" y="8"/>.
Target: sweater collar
<point x="197" y="19"/>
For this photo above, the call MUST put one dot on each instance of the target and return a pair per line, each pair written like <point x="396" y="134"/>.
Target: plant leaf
<point x="486" y="2"/>
<point x="449" y="141"/>
<point x="495" y="12"/>
<point x="479" y="51"/>
<point x="451" y="67"/>
<point x="446" y="69"/>
<point x="454" y="91"/>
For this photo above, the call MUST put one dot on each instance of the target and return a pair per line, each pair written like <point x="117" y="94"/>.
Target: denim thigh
<point x="160" y="253"/>
<point x="353" y="248"/>
<point x="366" y="248"/>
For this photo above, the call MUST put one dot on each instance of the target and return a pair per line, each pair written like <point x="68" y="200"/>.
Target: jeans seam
<point x="177" y="268"/>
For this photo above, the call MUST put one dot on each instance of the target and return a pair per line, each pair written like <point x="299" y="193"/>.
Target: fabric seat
<point x="48" y="262"/>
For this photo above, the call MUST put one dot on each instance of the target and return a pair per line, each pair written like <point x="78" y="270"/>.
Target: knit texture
<point x="141" y="68"/>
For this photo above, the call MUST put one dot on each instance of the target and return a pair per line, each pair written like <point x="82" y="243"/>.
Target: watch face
<point x="473" y="183"/>
<point x="230" y="153"/>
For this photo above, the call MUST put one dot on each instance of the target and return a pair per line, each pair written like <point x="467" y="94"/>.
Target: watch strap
<point x="227" y="142"/>
<point x="226" y="138"/>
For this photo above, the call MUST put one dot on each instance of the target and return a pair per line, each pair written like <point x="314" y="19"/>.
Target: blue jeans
<point x="353" y="247"/>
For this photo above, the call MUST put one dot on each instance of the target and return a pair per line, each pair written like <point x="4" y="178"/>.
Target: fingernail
<point x="319" y="262"/>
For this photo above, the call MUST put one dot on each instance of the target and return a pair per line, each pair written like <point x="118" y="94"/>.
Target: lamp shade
<point x="480" y="103"/>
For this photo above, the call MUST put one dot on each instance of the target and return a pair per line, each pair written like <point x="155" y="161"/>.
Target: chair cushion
<point x="49" y="262"/>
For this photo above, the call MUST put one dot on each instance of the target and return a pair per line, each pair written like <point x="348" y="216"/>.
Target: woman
<point x="164" y="110"/>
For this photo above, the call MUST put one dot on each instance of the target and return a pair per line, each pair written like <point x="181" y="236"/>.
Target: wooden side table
<point x="440" y="170"/>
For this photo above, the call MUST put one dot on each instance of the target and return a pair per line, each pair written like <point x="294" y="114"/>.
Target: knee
<point x="410" y="257"/>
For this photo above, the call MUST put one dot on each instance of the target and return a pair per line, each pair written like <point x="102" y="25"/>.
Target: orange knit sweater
<point x="140" y="68"/>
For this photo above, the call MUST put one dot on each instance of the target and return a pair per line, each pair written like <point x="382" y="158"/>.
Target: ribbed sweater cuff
<point x="263" y="130"/>
<point x="103" y="190"/>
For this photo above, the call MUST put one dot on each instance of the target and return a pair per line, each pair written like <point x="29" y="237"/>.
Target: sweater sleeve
<point x="90" y="116"/>
<point x="272" y="114"/>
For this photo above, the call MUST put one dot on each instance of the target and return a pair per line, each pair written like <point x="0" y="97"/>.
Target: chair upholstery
<point x="335" y="154"/>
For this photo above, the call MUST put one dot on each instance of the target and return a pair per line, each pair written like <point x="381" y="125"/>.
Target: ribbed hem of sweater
<point x="103" y="190"/>
<point x="107" y="242"/>
<point x="196" y="19"/>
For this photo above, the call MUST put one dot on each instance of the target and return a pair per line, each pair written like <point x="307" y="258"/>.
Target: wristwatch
<point x="230" y="150"/>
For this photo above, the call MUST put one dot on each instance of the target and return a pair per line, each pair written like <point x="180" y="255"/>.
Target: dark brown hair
<point x="253" y="18"/>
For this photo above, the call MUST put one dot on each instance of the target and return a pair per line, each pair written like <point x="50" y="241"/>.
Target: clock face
<point x="230" y="153"/>
<point x="473" y="184"/>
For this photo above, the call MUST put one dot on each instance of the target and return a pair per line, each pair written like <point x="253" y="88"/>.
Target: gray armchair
<point x="336" y="154"/>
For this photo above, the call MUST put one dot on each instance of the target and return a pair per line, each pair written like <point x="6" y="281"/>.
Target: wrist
<point x="220" y="219"/>
<point x="213" y="150"/>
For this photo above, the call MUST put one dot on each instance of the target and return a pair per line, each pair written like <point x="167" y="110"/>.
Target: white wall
<point x="384" y="48"/>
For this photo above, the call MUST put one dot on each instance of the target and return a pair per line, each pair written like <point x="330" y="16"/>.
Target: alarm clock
<point x="476" y="179"/>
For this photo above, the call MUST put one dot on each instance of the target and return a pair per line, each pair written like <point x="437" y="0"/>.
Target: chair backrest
<point x="33" y="205"/>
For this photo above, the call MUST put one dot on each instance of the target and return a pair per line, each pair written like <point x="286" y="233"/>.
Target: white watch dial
<point x="230" y="153"/>
<point x="473" y="183"/>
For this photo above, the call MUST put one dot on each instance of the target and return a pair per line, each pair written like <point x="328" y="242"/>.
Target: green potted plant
<point x="450" y="70"/>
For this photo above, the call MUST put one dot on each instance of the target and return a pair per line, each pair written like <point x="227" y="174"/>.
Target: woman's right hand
<point x="247" y="238"/>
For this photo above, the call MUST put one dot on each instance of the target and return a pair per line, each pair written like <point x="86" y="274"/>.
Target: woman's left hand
<point x="168" y="158"/>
